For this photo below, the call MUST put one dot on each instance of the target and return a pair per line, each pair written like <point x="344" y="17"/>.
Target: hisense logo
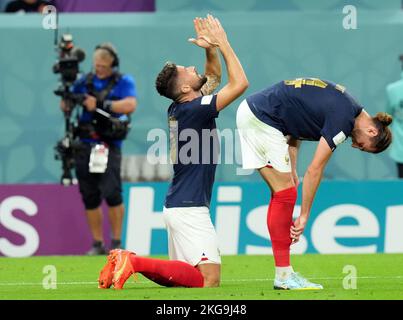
<point x="28" y="232"/>
<point x="241" y="227"/>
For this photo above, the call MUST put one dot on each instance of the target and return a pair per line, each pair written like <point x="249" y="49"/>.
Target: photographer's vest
<point x="102" y="128"/>
<point x="101" y="95"/>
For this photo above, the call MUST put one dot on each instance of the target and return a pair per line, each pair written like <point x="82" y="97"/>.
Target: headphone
<point x="108" y="47"/>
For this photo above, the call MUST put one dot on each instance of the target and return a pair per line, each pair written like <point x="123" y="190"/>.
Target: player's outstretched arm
<point x="212" y="68"/>
<point x="212" y="71"/>
<point x="310" y="185"/>
<point x="237" y="80"/>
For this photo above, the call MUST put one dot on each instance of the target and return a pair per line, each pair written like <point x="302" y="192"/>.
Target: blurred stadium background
<point x="359" y="208"/>
<point x="275" y="40"/>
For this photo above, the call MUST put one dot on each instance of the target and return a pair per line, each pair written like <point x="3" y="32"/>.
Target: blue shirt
<point x="194" y="152"/>
<point x="307" y="109"/>
<point x="125" y="87"/>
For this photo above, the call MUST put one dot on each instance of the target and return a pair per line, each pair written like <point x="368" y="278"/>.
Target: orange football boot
<point x="106" y="274"/>
<point x="123" y="268"/>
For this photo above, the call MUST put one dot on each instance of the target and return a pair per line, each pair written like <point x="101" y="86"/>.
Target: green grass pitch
<point x="379" y="276"/>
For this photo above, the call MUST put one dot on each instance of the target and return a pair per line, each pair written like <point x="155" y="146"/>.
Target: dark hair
<point x="384" y="138"/>
<point x="166" y="82"/>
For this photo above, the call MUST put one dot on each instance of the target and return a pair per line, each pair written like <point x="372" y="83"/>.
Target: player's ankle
<point x="283" y="273"/>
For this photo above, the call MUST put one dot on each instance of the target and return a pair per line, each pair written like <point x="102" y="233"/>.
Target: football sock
<point x="279" y="221"/>
<point x="282" y="273"/>
<point x="168" y="273"/>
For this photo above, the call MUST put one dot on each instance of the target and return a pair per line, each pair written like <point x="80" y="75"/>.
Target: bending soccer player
<point x="272" y="124"/>
<point x="193" y="248"/>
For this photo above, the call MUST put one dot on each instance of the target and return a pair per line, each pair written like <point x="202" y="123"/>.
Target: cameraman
<point x="98" y="160"/>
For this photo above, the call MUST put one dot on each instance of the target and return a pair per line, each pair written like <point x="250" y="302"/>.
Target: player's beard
<point x="200" y="83"/>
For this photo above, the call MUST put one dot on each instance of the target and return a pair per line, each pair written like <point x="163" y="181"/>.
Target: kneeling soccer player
<point x="193" y="247"/>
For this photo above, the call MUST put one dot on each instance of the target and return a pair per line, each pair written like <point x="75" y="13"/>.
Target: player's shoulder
<point x="192" y="105"/>
<point x="207" y="99"/>
<point x="201" y="100"/>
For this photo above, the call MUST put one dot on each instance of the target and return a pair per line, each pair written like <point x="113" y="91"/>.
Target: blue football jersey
<point x="307" y="109"/>
<point x="194" y="152"/>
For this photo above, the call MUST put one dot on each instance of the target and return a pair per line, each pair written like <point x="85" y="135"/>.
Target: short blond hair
<point x="104" y="55"/>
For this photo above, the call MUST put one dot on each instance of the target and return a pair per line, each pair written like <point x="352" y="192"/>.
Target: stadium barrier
<point x="347" y="217"/>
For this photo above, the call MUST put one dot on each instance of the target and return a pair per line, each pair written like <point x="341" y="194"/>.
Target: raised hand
<point x="201" y="39"/>
<point x="214" y="32"/>
<point x="209" y="32"/>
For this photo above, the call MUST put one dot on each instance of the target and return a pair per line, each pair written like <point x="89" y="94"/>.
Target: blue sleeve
<point x="340" y="120"/>
<point x="338" y="126"/>
<point x="336" y="131"/>
<point x="127" y="87"/>
<point x="205" y="107"/>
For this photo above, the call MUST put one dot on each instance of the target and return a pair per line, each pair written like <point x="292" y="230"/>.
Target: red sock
<point x="279" y="221"/>
<point x="168" y="273"/>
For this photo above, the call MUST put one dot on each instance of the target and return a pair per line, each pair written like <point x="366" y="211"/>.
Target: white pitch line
<point x="224" y="280"/>
<point x="40" y="284"/>
<point x="315" y="278"/>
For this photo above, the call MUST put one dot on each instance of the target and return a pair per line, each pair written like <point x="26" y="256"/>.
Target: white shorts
<point x="261" y="144"/>
<point x="191" y="235"/>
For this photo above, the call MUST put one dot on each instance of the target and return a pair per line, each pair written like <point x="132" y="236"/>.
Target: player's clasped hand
<point x="297" y="229"/>
<point x="201" y="39"/>
<point x="209" y="32"/>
